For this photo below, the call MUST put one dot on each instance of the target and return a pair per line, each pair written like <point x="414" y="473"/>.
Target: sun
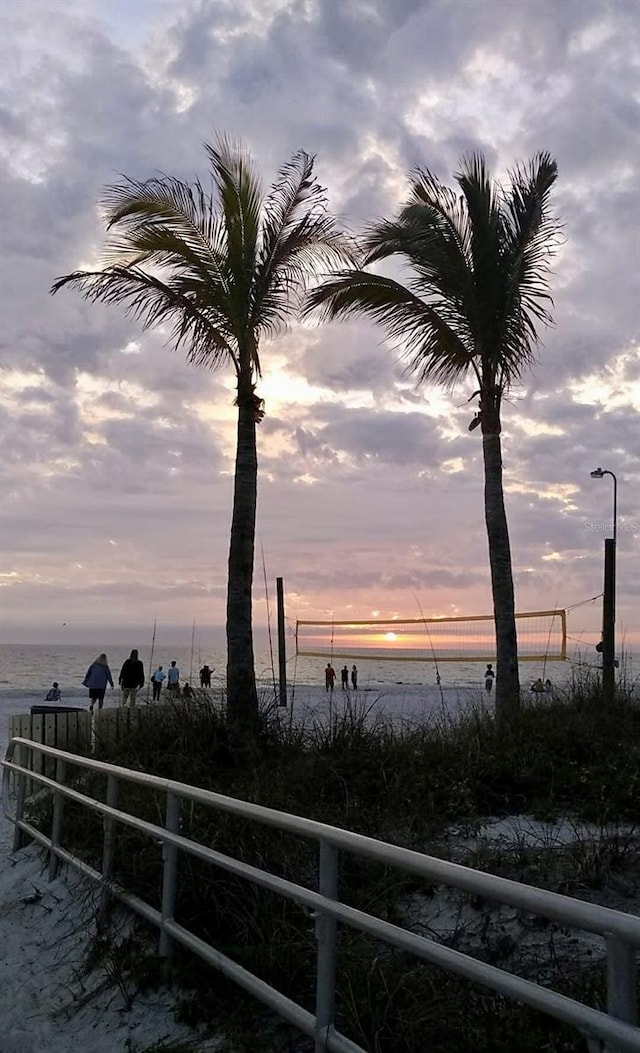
<point x="391" y="636"/>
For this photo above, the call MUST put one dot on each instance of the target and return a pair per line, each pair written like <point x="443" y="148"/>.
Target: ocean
<point x="28" y="670"/>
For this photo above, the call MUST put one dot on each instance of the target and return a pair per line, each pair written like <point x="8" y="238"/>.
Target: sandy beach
<point x="47" y="1001"/>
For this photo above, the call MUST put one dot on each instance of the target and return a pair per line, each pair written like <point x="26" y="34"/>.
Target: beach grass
<point x="427" y="787"/>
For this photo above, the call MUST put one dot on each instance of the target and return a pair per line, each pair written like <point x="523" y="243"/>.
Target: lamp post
<point x="608" y="645"/>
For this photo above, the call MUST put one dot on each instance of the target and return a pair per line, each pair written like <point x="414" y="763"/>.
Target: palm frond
<point x="299" y="239"/>
<point x="164" y="220"/>
<point x="311" y="248"/>
<point x="432" y="346"/>
<point x="482" y="204"/>
<point x="153" y="302"/>
<point x="241" y="201"/>
<point x="530" y="235"/>
<point x="426" y="237"/>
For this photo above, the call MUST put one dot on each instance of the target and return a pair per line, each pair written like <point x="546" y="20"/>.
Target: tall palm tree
<point x="477" y="289"/>
<point x="224" y="267"/>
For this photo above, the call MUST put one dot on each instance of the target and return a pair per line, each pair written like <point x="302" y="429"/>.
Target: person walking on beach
<point x="488" y="678"/>
<point x="156" y="683"/>
<point x="344" y="676"/>
<point x="54" y="693"/>
<point x="131" y="679"/>
<point x="173" y="679"/>
<point x="354" y="677"/>
<point x="329" y="677"/>
<point x="96" y="678"/>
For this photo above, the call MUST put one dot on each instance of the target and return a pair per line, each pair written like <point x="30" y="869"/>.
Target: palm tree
<point x="477" y="289"/>
<point x="224" y="268"/>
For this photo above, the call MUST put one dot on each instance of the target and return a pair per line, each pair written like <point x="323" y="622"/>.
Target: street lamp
<point x="608" y="645"/>
<point x="599" y="473"/>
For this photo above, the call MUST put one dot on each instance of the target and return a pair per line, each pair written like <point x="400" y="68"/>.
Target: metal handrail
<point x="621" y="931"/>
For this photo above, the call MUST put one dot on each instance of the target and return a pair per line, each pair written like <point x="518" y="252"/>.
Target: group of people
<point x="172" y="676"/>
<point x="330" y="677"/>
<point x="130" y="681"/>
<point x="538" y="687"/>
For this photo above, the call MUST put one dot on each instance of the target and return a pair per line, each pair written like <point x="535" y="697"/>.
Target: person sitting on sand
<point x="537" y="686"/>
<point x="96" y="678"/>
<point x="54" y="693"/>
<point x="187" y="691"/>
<point x="548" y="687"/>
<point x="488" y="678"/>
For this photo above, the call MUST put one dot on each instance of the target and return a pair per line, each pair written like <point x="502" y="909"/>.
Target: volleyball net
<point x="542" y="635"/>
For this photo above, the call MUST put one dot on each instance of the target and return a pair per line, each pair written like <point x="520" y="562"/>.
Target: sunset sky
<point x="117" y="456"/>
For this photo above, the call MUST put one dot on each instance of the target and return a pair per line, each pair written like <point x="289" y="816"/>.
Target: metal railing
<point x="620" y="931"/>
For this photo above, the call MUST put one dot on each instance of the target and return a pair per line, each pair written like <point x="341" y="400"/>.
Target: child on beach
<point x="54" y="693"/>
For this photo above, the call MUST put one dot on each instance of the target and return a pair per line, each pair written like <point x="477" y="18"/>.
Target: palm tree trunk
<point x="242" y="699"/>
<point x="507" y="678"/>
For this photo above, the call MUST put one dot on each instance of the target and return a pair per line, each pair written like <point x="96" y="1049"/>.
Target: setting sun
<point x="391" y="636"/>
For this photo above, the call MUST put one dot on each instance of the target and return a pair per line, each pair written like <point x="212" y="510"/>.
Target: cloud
<point x="371" y="490"/>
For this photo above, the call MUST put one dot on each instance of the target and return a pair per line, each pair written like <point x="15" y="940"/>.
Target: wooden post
<point x="56" y="824"/>
<point x="108" y="847"/>
<point x="37" y="735"/>
<point x="282" y="654"/>
<point x="49" y="739"/>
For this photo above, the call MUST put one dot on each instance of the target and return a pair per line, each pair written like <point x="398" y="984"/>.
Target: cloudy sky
<point x="117" y="456"/>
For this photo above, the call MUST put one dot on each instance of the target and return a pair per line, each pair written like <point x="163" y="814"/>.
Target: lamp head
<point x="597" y="474"/>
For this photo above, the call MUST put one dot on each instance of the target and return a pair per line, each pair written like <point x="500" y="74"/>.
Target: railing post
<point x="56" y="823"/>
<point x="19" y="837"/>
<point x="326" y="935"/>
<point x="169" y="875"/>
<point x="108" y="844"/>
<point x="621" y="983"/>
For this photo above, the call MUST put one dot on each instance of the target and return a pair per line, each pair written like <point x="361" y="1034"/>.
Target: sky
<point x="117" y="455"/>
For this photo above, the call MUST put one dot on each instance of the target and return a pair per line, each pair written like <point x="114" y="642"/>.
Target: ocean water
<point x="28" y="670"/>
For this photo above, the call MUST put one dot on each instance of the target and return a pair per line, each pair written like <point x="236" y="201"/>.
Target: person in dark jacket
<point x="329" y="677"/>
<point x="131" y="679"/>
<point x="96" y="678"/>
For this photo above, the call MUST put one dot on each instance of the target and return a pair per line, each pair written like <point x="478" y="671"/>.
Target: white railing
<point x="621" y="932"/>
